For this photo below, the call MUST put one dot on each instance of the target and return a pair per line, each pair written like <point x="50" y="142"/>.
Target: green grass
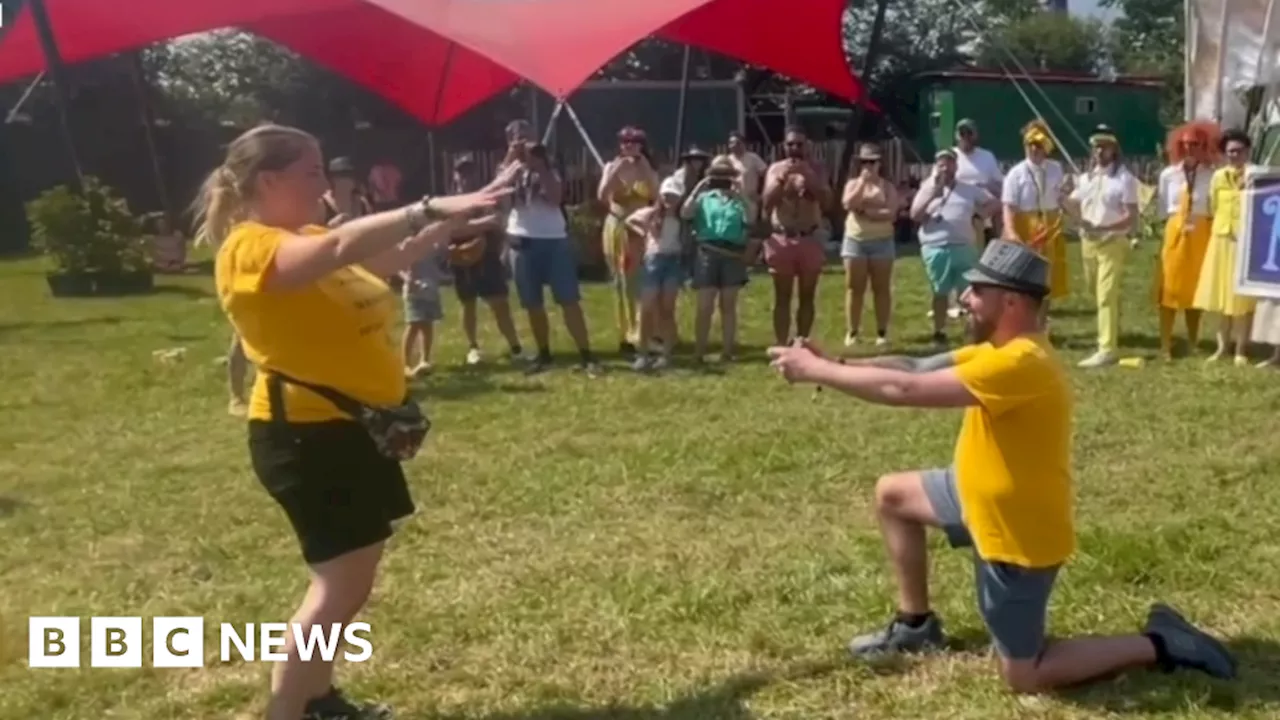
<point x="690" y="547"/>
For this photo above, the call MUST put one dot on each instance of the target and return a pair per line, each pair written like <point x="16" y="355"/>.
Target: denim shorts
<point x="423" y="306"/>
<point x="1013" y="601"/>
<point x="662" y="272"/>
<point x="855" y="249"/>
<point x="540" y="262"/>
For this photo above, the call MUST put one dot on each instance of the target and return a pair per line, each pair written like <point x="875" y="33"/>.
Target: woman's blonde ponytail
<point x="217" y="207"/>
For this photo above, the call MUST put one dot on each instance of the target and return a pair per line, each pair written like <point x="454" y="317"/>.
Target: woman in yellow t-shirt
<point x="1216" y="291"/>
<point x="306" y="302"/>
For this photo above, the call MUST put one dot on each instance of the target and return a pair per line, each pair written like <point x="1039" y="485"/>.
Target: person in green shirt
<point x="717" y="213"/>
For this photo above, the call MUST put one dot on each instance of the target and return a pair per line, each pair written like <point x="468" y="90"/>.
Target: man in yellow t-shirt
<point x="1008" y="493"/>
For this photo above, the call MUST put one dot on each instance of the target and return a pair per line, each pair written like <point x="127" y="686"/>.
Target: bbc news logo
<point x="178" y="642"/>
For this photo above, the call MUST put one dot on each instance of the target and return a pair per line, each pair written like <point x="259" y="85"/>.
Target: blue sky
<point x="1089" y="8"/>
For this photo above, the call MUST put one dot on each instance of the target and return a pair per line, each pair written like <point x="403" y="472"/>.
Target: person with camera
<point x="330" y="420"/>
<point x="629" y="182"/>
<point x="868" y="251"/>
<point x="345" y="199"/>
<point x="944" y="208"/>
<point x="796" y="191"/>
<point x="479" y="273"/>
<point x="541" y="252"/>
<point x="717" y="213"/>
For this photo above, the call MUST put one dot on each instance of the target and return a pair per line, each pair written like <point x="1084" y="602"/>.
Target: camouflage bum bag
<point x="398" y="432"/>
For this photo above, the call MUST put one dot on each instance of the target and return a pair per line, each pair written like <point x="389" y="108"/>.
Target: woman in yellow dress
<point x="1183" y="200"/>
<point x="1033" y="194"/>
<point x="629" y="182"/>
<point x="1216" y="290"/>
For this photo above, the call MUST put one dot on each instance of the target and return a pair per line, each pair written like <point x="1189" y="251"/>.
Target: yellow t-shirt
<point x="1013" y="456"/>
<point x="336" y="332"/>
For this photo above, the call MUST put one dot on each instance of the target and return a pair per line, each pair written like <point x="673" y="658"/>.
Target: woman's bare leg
<point x="855" y="290"/>
<point x="729" y="323"/>
<point x="338" y="591"/>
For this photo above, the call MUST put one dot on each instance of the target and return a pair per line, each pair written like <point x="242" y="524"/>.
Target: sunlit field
<point x="693" y="546"/>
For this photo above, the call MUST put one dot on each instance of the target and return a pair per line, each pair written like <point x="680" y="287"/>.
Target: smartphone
<point x="719" y="183"/>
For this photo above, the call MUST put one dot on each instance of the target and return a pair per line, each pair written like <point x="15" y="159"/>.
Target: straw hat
<point x="722" y="166"/>
<point x="869" y="151"/>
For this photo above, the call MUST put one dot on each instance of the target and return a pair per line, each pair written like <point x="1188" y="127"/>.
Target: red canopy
<point x="451" y="54"/>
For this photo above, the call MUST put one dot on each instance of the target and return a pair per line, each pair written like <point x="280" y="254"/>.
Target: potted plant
<point x="96" y="245"/>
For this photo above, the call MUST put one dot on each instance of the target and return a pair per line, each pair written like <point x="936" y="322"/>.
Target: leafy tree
<point x="1047" y="41"/>
<point x="1149" y="38"/>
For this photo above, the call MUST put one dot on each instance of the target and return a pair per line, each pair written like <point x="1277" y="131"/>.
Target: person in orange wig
<point x="1033" y="195"/>
<point x="1183" y="202"/>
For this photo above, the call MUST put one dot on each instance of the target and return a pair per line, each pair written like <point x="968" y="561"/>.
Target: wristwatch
<point x="418" y="214"/>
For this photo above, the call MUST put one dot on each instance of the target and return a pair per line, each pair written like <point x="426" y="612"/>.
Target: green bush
<point x="89" y="232"/>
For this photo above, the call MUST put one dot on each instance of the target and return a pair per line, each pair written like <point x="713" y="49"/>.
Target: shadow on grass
<point x="457" y="386"/>
<point x="9" y="506"/>
<point x="725" y="701"/>
<point x="1154" y="693"/>
<point x="183" y="290"/>
<point x="59" y="324"/>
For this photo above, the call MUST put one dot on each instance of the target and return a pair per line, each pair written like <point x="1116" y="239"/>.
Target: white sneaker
<point x="642" y="363"/>
<point x="1102" y="358"/>
<point x="850" y="340"/>
<point x="474" y="357"/>
<point x="953" y="312"/>
<point x="882" y="341"/>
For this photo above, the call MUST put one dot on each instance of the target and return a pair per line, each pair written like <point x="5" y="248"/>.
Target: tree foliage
<point x="1149" y="39"/>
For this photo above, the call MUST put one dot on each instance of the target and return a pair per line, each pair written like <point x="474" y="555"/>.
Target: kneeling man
<point x="1007" y="495"/>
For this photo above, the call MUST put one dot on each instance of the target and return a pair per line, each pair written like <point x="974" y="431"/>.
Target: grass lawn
<point x="690" y="547"/>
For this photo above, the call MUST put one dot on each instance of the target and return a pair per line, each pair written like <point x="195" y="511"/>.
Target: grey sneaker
<point x="1188" y="646"/>
<point x="899" y="637"/>
<point x="642" y="363"/>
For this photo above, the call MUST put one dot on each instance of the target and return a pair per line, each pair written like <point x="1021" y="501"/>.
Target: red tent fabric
<point x="559" y="44"/>
<point x="451" y="54"/>
<point x="429" y="77"/>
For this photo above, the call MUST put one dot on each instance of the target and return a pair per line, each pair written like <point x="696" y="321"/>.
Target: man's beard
<point x="979" y="331"/>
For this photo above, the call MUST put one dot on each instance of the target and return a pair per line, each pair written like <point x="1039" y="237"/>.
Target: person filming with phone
<point x="717" y="212"/>
<point x="541" y="253"/>
<point x="945" y="208"/>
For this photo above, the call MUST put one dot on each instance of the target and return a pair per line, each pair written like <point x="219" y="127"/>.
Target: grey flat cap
<point x="1013" y="266"/>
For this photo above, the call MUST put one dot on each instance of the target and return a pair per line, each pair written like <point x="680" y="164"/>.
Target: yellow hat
<point x="1037" y="133"/>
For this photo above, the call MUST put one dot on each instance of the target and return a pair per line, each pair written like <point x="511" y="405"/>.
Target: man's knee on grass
<point x="1023" y="676"/>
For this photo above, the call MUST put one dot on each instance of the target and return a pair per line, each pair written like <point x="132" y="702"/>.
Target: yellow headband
<point x="1036" y="135"/>
<point x="1103" y="138"/>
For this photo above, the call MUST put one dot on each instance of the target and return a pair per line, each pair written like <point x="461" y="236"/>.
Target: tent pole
<point x="857" y="113"/>
<point x="53" y="63"/>
<point x="684" y="102"/>
<point x="26" y="95"/>
<point x="551" y="121"/>
<point x="147" y="117"/>
<point x="586" y="138"/>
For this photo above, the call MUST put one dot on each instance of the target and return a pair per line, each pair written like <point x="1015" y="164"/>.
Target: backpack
<point x="722" y="217"/>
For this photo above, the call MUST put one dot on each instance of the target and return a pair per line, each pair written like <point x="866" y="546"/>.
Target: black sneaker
<point x="539" y="364"/>
<point x="1188" y="646"/>
<point x="335" y="706"/>
<point x="899" y="637"/>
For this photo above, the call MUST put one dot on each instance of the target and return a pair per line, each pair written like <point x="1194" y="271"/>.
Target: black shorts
<point x="486" y="279"/>
<point x="339" y="492"/>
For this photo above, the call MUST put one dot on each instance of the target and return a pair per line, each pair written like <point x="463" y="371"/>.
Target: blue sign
<point x="1258" y="259"/>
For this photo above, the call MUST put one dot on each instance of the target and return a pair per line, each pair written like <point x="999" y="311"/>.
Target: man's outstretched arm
<point x="906" y="363"/>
